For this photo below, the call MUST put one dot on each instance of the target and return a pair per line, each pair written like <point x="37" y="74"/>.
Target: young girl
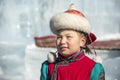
<point x="73" y="36"/>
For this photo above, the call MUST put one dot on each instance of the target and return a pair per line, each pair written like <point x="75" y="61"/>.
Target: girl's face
<point x="68" y="42"/>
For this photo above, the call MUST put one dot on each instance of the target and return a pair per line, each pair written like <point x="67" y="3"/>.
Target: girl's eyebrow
<point x="68" y="34"/>
<point x="65" y="34"/>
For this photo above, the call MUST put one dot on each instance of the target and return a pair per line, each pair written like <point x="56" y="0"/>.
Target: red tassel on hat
<point x="92" y="37"/>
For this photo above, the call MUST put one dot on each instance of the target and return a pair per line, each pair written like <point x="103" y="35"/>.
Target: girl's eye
<point x="58" y="37"/>
<point x="69" y="37"/>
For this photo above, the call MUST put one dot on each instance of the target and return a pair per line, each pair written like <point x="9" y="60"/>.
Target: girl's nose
<point x="63" y="40"/>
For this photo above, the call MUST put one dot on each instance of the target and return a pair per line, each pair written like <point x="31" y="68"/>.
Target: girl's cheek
<point x="57" y="42"/>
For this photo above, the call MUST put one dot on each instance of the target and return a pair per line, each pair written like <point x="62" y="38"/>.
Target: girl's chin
<point x="65" y="55"/>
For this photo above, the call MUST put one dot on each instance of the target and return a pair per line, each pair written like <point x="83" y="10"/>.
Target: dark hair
<point x="86" y="47"/>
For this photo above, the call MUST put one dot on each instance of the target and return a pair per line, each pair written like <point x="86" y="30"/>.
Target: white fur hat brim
<point x="69" y="21"/>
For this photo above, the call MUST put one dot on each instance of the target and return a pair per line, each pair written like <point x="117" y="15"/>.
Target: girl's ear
<point x="83" y="41"/>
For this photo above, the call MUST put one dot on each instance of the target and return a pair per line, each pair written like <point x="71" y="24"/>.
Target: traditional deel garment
<point x="78" y="67"/>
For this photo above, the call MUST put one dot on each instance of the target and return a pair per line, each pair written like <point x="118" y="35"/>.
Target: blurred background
<point x="23" y="20"/>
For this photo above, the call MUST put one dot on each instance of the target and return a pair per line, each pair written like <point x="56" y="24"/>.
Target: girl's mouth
<point x="63" y="48"/>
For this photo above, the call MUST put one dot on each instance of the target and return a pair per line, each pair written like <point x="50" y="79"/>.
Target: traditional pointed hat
<point x="71" y="19"/>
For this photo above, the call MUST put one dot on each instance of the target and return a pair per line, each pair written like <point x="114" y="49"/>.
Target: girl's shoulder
<point x="98" y="72"/>
<point x="45" y="63"/>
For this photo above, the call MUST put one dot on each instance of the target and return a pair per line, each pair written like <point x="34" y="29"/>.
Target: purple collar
<point x="61" y="58"/>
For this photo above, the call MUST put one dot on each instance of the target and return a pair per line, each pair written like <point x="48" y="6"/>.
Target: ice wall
<point x="21" y="20"/>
